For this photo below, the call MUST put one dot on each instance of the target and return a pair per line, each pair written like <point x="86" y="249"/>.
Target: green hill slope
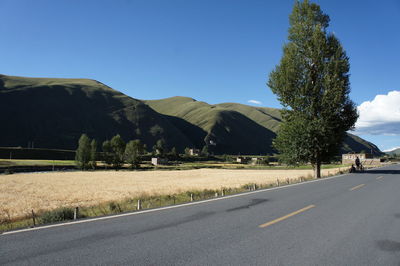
<point x="267" y="117"/>
<point x="53" y="113"/>
<point x="254" y="127"/>
<point x="232" y="131"/>
<point x="353" y="143"/>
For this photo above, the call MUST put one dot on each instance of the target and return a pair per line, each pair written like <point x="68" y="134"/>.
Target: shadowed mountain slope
<point x="53" y="113"/>
<point x="218" y="119"/>
<point x="267" y="117"/>
<point x="353" y="143"/>
<point x="232" y="131"/>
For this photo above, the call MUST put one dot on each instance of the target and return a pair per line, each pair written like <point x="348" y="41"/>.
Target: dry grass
<point x="20" y="193"/>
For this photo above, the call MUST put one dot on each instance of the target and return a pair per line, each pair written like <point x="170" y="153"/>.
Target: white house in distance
<point x="194" y="152"/>
<point x="242" y="160"/>
<point x="158" y="161"/>
<point x="256" y="160"/>
<point x="365" y="158"/>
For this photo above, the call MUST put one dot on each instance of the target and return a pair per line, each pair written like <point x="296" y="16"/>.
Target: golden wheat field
<point x="20" y="193"/>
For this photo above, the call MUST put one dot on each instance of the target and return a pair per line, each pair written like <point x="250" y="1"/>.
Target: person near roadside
<point x="358" y="163"/>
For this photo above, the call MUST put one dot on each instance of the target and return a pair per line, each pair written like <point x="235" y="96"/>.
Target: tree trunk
<point x="317" y="170"/>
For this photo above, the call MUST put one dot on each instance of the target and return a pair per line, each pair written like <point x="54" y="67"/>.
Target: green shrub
<point x="8" y="172"/>
<point x="57" y="215"/>
<point x="112" y="206"/>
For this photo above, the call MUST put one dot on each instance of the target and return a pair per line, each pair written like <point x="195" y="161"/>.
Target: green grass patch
<point x="7" y="162"/>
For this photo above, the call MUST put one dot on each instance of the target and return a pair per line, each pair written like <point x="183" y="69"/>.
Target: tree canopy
<point x="133" y="150"/>
<point x="312" y="83"/>
<point x="83" y="153"/>
<point x="118" y="148"/>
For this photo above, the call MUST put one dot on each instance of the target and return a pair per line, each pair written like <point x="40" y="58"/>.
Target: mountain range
<point x="53" y="113"/>
<point x="394" y="152"/>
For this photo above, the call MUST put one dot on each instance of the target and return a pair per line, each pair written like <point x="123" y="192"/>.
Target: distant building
<point x="242" y="160"/>
<point x="256" y="160"/>
<point x="159" y="161"/>
<point x="194" y="152"/>
<point x="365" y="158"/>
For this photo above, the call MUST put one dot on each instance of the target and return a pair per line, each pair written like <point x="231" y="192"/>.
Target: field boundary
<point x="114" y="216"/>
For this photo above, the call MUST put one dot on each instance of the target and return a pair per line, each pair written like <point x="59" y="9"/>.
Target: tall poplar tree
<point x="133" y="150"/>
<point x="118" y="148"/>
<point x="107" y="152"/>
<point x="93" y="154"/>
<point x="82" y="154"/>
<point x="312" y="83"/>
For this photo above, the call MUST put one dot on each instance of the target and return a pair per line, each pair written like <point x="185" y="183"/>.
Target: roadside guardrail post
<point x="76" y="210"/>
<point x="33" y="218"/>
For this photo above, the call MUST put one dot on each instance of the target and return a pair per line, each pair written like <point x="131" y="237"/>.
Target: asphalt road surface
<point x="347" y="220"/>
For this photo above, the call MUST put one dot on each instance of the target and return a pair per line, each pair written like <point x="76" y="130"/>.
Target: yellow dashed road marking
<point x="356" y="187"/>
<point x="286" y="216"/>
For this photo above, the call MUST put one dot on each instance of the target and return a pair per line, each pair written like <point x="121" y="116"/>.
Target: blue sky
<point x="214" y="51"/>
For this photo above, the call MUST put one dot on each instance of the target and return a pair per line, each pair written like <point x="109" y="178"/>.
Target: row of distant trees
<point x="116" y="152"/>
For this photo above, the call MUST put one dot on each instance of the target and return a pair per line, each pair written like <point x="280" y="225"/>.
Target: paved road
<point x="347" y="220"/>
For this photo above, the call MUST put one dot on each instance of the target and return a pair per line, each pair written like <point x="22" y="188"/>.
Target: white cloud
<point x="381" y="116"/>
<point x="254" y="102"/>
<point x="392" y="149"/>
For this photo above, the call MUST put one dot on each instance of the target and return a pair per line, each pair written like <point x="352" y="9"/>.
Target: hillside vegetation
<point x="53" y="113"/>
<point x="249" y="138"/>
<point x="234" y="128"/>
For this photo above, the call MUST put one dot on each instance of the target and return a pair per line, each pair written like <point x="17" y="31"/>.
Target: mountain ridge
<point x="393" y="152"/>
<point x="53" y="113"/>
<point x="266" y="117"/>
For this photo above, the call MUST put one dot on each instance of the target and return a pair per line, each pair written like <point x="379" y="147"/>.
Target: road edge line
<point x="167" y="207"/>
